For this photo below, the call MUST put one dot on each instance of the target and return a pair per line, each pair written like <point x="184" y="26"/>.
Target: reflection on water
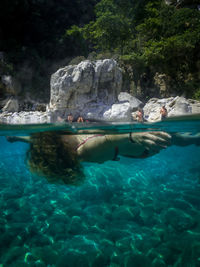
<point x="132" y="212"/>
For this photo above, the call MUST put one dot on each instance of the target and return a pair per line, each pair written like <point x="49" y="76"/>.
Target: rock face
<point x="92" y="89"/>
<point x="87" y="88"/>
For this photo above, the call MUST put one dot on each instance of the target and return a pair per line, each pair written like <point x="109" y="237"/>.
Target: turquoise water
<point x="133" y="212"/>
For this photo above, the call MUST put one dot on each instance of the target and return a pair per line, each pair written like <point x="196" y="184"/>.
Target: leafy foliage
<point x="149" y="35"/>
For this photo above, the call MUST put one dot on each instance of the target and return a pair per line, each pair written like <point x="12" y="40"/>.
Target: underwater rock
<point x="80" y="248"/>
<point x="95" y="209"/>
<point x="182" y="204"/>
<point x="179" y="220"/>
<point x="146" y="240"/>
<point x="158" y="262"/>
<point x="101" y="260"/>
<point x="13" y="255"/>
<point x="75" y="210"/>
<point x="167" y="254"/>
<point x="7" y="238"/>
<point x="110" y="251"/>
<point x="116" y="234"/>
<point x="46" y="254"/>
<point x="57" y="229"/>
<point x="148" y="215"/>
<point x="77" y="227"/>
<point x="91" y="193"/>
<point x="124" y="244"/>
<point x="73" y="258"/>
<point x="137" y="260"/>
<point x="123" y="213"/>
<point x="192" y="198"/>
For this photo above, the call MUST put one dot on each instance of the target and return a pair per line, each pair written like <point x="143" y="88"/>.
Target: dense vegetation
<point x="150" y="37"/>
<point x="147" y="38"/>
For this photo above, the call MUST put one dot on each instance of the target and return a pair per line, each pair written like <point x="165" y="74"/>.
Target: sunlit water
<point x="133" y="212"/>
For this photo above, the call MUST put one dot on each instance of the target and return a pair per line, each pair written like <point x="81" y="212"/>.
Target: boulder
<point x="133" y="101"/>
<point x="179" y="106"/>
<point x="179" y="219"/>
<point x="88" y="86"/>
<point x="118" y="112"/>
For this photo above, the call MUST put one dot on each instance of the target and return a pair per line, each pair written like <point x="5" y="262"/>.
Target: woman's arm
<point x="142" y="144"/>
<point x="136" y="145"/>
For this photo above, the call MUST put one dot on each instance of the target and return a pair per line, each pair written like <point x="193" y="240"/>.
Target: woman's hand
<point x="144" y="144"/>
<point x="150" y="143"/>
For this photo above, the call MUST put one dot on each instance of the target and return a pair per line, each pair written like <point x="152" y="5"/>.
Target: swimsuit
<point x="115" y="158"/>
<point x="88" y="138"/>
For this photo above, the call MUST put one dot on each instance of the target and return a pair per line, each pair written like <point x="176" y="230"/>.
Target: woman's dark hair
<point x="56" y="160"/>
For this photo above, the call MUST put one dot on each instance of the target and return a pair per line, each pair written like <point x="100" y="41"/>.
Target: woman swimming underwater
<point x="58" y="155"/>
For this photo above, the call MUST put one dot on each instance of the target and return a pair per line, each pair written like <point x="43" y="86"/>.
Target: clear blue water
<point x="134" y="212"/>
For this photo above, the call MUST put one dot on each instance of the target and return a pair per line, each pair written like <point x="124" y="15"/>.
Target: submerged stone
<point x="73" y="258"/>
<point x="179" y="220"/>
<point x="13" y="255"/>
<point x="77" y="226"/>
<point x="139" y="260"/>
<point x="158" y="262"/>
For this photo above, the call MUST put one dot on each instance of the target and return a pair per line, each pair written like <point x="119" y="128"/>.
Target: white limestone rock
<point x="118" y="112"/>
<point x="133" y="101"/>
<point x="83" y="86"/>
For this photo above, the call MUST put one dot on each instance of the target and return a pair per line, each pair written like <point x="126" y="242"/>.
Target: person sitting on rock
<point x="80" y="119"/>
<point x="140" y="115"/>
<point x="163" y="112"/>
<point x="70" y="118"/>
<point x="58" y="155"/>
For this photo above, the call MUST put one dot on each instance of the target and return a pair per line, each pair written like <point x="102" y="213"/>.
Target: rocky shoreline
<point x="93" y="89"/>
<point x="119" y="112"/>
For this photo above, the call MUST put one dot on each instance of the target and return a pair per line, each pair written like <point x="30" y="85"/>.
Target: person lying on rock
<point x="58" y="155"/>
